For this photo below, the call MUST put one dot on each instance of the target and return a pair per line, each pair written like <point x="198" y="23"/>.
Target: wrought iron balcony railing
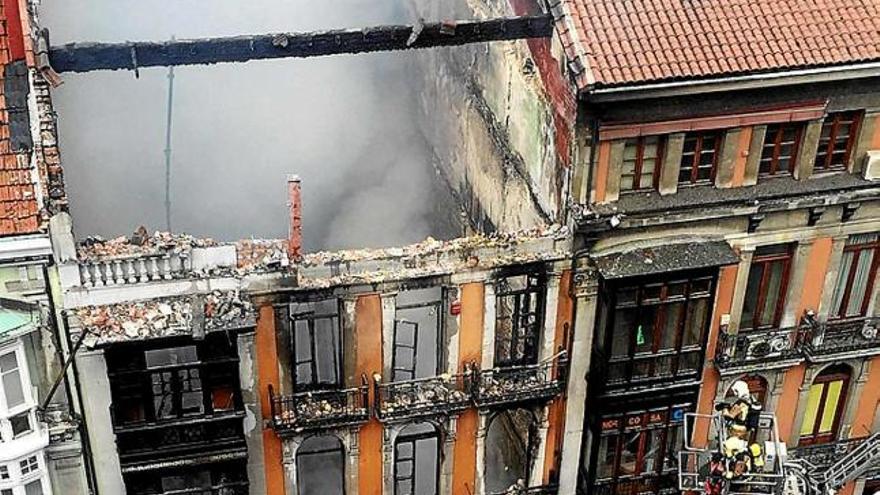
<point x="440" y="395"/>
<point x="836" y="337"/>
<point x="532" y="490"/>
<point x="237" y="488"/>
<point x="514" y="384"/>
<point x="824" y="455"/>
<point x="760" y="347"/>
<point x="169" y="439"/>
<point x="321" y="409"/>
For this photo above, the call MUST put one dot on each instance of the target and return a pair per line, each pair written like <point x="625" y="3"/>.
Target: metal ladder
<point x="808" y="480"/>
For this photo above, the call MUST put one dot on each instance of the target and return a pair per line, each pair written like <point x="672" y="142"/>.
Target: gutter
<point x="790" y="77"/>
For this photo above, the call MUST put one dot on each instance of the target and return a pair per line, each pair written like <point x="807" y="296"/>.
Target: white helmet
<point x="740" y="389"/>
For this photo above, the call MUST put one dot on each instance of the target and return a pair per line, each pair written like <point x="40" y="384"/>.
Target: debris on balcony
<point x="140" y="243"/>
<point x="165" y="317"/>
<point x="411" y="397"/>
<point x="261" y="255"/>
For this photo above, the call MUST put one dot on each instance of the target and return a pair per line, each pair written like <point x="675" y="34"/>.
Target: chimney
<point x="294" y="204"/>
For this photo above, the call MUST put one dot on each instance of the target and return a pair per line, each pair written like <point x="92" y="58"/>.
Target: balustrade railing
<point x="520" y="383"/>
<point x="843" y="336"/>
<point x="180" y="437"/>
<point x="134" y="269"/>
<point x="760" y="347"/>
<point x="440" y="395"/>
<point x="321" y="409"/>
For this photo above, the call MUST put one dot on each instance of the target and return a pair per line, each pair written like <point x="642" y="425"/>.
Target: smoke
<point x="345" y="124"/>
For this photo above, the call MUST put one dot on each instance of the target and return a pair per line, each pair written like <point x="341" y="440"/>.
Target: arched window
<point x="510" y="442"/>
<point x="417" y="460"/>
<point x="826" y="402"/>
<point x="757" y="387"/>
<point x="320" y="466"/>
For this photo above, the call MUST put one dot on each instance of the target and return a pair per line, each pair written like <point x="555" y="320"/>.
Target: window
<point x="417" y="325"/>
<point x="4" y="473"/>
<point x="176" y="392"/>
<point x="657" y="330"/>
<point x="316" y="344"/>
<point x="765" y="292"/>
<point x="836" y="142"/>
<point x="781" y="144"/>
<point x="13" y="389"/>
<point x="34" y="488"/>
<point x="639" y="446"/>
<point x="28" y="465"/>
<point x="855" y="279"/>
<point x="6" y="491"/>
<point x="511" y="440"/>
<point x="519" y="315"/>
<point x="826" y="401"/>
<point x="416" y="460"/>
<point x="320" y="466"/>
<point x="21" y="424"/>
<point x="212" y="479"/>
<point x="699" y="157"/>
<point x="641" y="163"/>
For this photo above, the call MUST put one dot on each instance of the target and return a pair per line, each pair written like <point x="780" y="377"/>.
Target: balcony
<point x="134" y="269"/>
<point x="533" y="490"/>
<point x="443" y="395"/>
<point x="320" y="409"/>
<point x="760" y="349"/>
<point x="516" y="384"/>
<point x="842" y="339"/>
<point x="182" y="437"/>
<point x="822" y="456"/>
<point x="237" y="488"/>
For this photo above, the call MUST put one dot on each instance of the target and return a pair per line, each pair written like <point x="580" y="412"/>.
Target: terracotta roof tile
<point x="643" y="41"/>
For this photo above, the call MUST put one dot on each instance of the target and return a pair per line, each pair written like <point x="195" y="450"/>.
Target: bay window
<point x="657" y="330"/>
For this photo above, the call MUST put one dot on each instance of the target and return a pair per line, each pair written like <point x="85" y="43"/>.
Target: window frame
<point x="695" y="157"/>
<point x="639" y="162"/>
<point x="399" y="321"/>
<point x="825" y="378"/>
<point x="858" y="250"/>
<point x="787" y="258"/>
<point x="660" y="305"/>
<point x="24" y="379"/>
<point x="836" y="118"/>
<point x="536" y="287"/>
<point x="311" y="317"/>
<point x="412" y="439"/>
<point x="776" y="145"/>
<point x="339" y="448"/>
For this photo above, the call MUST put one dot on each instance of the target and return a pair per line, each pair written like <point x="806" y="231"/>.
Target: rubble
<point x="404" y="398"/>
<point x="139" y="244"/>
<point x="228" y="310"/>
<point x="261" y="255"/>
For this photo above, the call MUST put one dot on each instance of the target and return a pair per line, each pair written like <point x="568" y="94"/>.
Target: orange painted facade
<point x="742" y="154"/>
<point x="368" y="330"/>
<point x="786" y="409"/>
<point x="814" y="279"/>
<point x="875" y="140"/>
<point x="556" y="409"/>
<point x="267" y="374"/>
<point x="867" y="406"/>
<point x="602" y="165"/>
<point x="470" y="345"/>
<point x="723" y="303"/>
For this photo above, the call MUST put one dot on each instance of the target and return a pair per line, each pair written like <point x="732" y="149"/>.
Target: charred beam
<point x="85" y="57"/>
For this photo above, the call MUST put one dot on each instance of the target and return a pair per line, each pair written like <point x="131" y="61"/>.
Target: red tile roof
<point x="627" y="42"/>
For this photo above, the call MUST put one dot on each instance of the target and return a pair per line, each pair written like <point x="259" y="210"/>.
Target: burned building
<point x="659" y="212"/>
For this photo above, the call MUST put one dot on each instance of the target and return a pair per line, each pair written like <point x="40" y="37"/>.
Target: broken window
<point x="657" y="329"/>
<point x="511" y="441"/>
<point x="519" y="316"/>
<point x="639" y="450"/>
<point x="227" y="478"/>
<point x="699" y="157"/>
<point x="320" y="466"/>
<point x="855" y="279"/>
<point x="781" y="144"/>
<point x="641" y="163"/>
<point x="836" y="141"/>
<point x="417" y="460"/>
<point x="768" y="281"/>
<point x="316" y="344"/>
<point x="417" y="334"/>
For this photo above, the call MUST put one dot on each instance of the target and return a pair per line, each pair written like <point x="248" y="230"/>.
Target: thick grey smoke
<point x="345" y="124"/>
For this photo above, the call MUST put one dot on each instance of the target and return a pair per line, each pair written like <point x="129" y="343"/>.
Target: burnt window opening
<point x="511" y="443"/>
<point x="417" y="460"/>
<point x="767" y="286"/>
<point x="417" y="334"/>
<point x="228" y="478"/>
<point x="320" y="466"/>
<point x="519" y="316"/>
<point x="316" y="345"/>
<point x="655" y="331"/>
<point x="637" y="451"/>
<point x="168" y="383"/>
